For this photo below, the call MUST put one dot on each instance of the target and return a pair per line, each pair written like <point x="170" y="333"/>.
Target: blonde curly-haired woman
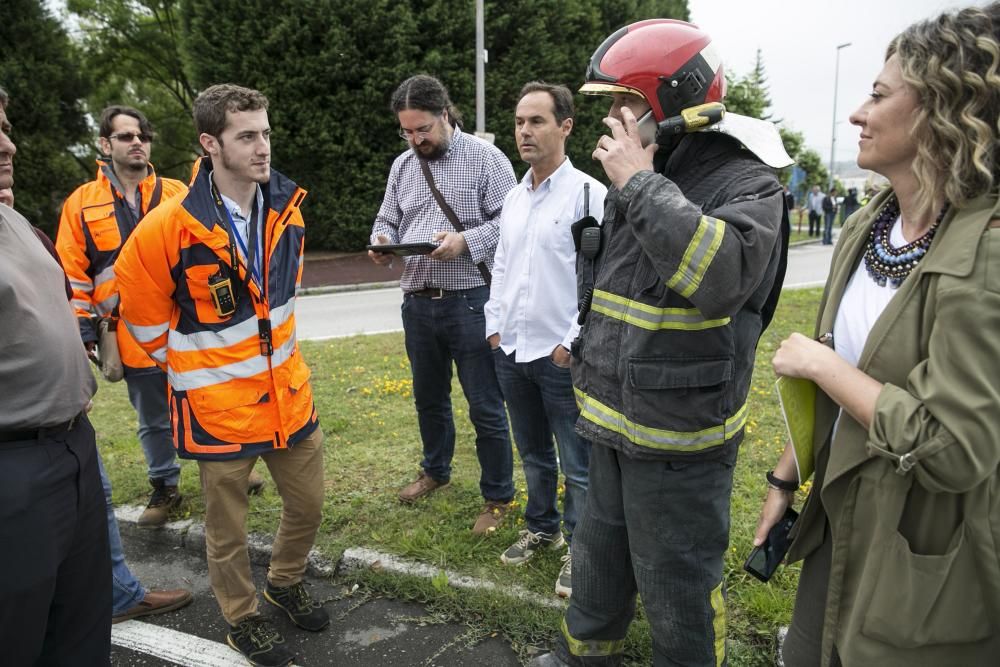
<point x="901" y="532"/>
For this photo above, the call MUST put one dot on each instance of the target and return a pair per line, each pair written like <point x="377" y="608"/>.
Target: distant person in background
<point x="815" y="205"/>
<point x="899" y="533"/>
<point x="850" y="205"/>
<point x="829" y="205"/>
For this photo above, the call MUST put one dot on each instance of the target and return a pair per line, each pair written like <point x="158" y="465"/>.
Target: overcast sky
<point x="798" y="42"/>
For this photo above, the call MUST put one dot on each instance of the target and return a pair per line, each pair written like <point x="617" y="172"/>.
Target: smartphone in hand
<point x="763" y="561"/>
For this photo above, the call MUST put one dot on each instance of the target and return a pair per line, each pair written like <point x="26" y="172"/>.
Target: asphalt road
<point x="377" y="311"/>
<point x="365" y="631"/>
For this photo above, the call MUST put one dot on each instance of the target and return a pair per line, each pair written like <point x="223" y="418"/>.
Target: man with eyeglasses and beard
<point x="448" y="189"/>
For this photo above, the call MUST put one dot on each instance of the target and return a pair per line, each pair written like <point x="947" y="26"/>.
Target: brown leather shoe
<point x="490" y="518"/>
<point x="156" y="602"/>
<point x="255" y="484"/>
<point x="420" y="487"/>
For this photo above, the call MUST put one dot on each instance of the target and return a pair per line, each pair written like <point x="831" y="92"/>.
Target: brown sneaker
<point x="161" y="502"/>
<point x="156" y="602"/>
<point x="420" y="487"/>
<point x="255" y="484"/>
<point x="493" y="513"/>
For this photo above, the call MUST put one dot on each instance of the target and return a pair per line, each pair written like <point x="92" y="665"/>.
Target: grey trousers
<point x="659" y="529"/>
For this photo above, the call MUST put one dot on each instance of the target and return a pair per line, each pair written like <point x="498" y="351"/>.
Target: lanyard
<point x="251" y="261"/>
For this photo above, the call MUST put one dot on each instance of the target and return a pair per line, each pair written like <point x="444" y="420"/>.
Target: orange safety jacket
<point x="238" y="385"/>
<point x="94" y="225"/>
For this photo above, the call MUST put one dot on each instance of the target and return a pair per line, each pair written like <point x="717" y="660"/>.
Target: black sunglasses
<point x="129" y="137"/>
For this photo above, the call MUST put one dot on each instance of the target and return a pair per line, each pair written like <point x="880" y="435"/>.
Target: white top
<point x="863" y="303"/>
<point x="241" y="224"/>
<point x="533" y="303"/>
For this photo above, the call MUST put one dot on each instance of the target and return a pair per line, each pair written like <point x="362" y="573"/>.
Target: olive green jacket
<point x="913" y="503"/>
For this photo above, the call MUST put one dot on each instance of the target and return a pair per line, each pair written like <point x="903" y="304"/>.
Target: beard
<point x="435" y="151"/>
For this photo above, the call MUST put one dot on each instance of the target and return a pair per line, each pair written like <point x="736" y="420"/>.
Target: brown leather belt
<point x="435" y="293"/>
<point x="38" y="433"/>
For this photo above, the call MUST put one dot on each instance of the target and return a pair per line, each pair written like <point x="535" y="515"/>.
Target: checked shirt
<point x="474" y="177"/>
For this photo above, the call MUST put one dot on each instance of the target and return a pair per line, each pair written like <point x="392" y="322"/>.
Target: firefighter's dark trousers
<point x="659" y="529"/>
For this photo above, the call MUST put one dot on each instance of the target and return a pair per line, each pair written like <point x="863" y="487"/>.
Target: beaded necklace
<point x="886" y="264"/>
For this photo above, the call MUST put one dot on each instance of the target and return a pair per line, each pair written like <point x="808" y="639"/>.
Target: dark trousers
<point x="814" y="223"/>
<point x="541" y="403"/>
<point x="659" y="529"/>
<point x="828" y="217"/>
<point x="55" y="595"/>
<point x="438" y="332"/>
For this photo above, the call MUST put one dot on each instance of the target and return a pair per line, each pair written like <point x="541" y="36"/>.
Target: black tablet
<point x="403" y="249"/>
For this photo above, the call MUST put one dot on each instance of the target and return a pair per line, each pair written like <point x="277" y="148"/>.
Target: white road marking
<point x="174" y="646"/>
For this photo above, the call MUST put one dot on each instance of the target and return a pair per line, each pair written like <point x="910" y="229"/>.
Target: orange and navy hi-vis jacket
<point x="228" y="397"/>
<point x="94" y="225"/>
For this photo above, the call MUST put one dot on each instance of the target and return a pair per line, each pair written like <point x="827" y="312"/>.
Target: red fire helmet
<point x="670" y="63"/>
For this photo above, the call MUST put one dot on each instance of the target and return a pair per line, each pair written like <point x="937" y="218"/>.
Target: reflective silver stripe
<point x="82" y="286"/>
<point x="104" y="276"/>
<point x="651" y="317"/>
<point x="206" y="377"/>
<point x="698" y="256"/>
<point x="213" y="340"/>
<point x="146" y="334"/>
<point x="105" y="307"/>
<point x="160" y="354"/>
<point x="80" y="304"/>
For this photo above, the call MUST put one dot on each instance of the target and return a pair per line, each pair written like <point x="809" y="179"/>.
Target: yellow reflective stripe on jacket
<point x="679" y="441"/>
<point x="698" y="256"/>
<point x="591" y="647"/>
<point x="650" y="317"/>
<point x="718" y="601"/>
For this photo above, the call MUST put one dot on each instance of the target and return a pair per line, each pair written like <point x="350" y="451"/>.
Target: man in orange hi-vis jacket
<point x="96" y="221"/>
<point x="207" y="286"/>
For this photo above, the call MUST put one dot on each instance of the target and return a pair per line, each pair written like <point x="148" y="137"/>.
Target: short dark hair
<point x="211" y="106"/>
<point x="110" y="113"/>
<point x="425" y="93"/>
<point x="4" y="98"/>
<point x="562" y="98"/>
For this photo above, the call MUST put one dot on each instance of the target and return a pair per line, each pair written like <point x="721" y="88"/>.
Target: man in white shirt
<point x="531" y="318"/>
<point x="815" y="203"/>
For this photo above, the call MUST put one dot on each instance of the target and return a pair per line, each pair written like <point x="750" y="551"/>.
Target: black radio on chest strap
<point x="264" y="331"/>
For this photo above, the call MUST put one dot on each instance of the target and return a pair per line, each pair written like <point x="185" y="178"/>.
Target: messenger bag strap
<point x="450" y="214"/>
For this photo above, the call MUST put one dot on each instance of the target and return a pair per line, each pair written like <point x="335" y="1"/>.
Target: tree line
<point x="328" y="67"/>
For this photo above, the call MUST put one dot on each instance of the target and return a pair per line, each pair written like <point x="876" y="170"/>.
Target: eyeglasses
<point x="416" y="135"/>
<point x="129" y="137"/>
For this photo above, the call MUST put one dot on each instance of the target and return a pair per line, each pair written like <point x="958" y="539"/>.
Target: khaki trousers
<point x="298" y="474"/>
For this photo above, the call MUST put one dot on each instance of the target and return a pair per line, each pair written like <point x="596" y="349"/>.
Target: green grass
<point x="363" y="393"/>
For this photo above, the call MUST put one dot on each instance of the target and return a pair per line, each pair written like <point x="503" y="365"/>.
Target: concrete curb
<point x="190" y="536"/>
<point x="337" y="289"/>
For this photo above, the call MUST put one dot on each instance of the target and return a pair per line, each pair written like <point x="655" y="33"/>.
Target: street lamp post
<point x="480" y="69"/>
<point x="833" y="140"/>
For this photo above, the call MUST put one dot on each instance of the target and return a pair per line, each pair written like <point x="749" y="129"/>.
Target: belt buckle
<point x="440" y="292"/>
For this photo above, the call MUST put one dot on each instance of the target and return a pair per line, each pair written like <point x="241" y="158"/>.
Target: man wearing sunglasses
<point x="96" y="221"/>
<point x="445" y="290"/>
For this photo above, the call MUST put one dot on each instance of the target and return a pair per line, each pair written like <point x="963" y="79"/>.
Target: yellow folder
<point x="798" y="406"/>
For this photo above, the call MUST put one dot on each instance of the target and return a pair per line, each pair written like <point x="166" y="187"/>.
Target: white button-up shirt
<point x="533" y="302"/>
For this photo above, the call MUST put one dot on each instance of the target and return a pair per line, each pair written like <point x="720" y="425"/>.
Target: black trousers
<point x="55" y="567"/>
<point x="815" y="223"/>
<point x="659" y="529"/>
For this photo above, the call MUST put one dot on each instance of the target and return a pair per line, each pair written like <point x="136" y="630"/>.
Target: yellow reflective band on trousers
<point x="650" y="317"/>
<point x="656" y="438"/>
<point x="698" y="256"/>
<point x="591" y="647"/>
<point x="719" y="624"/>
